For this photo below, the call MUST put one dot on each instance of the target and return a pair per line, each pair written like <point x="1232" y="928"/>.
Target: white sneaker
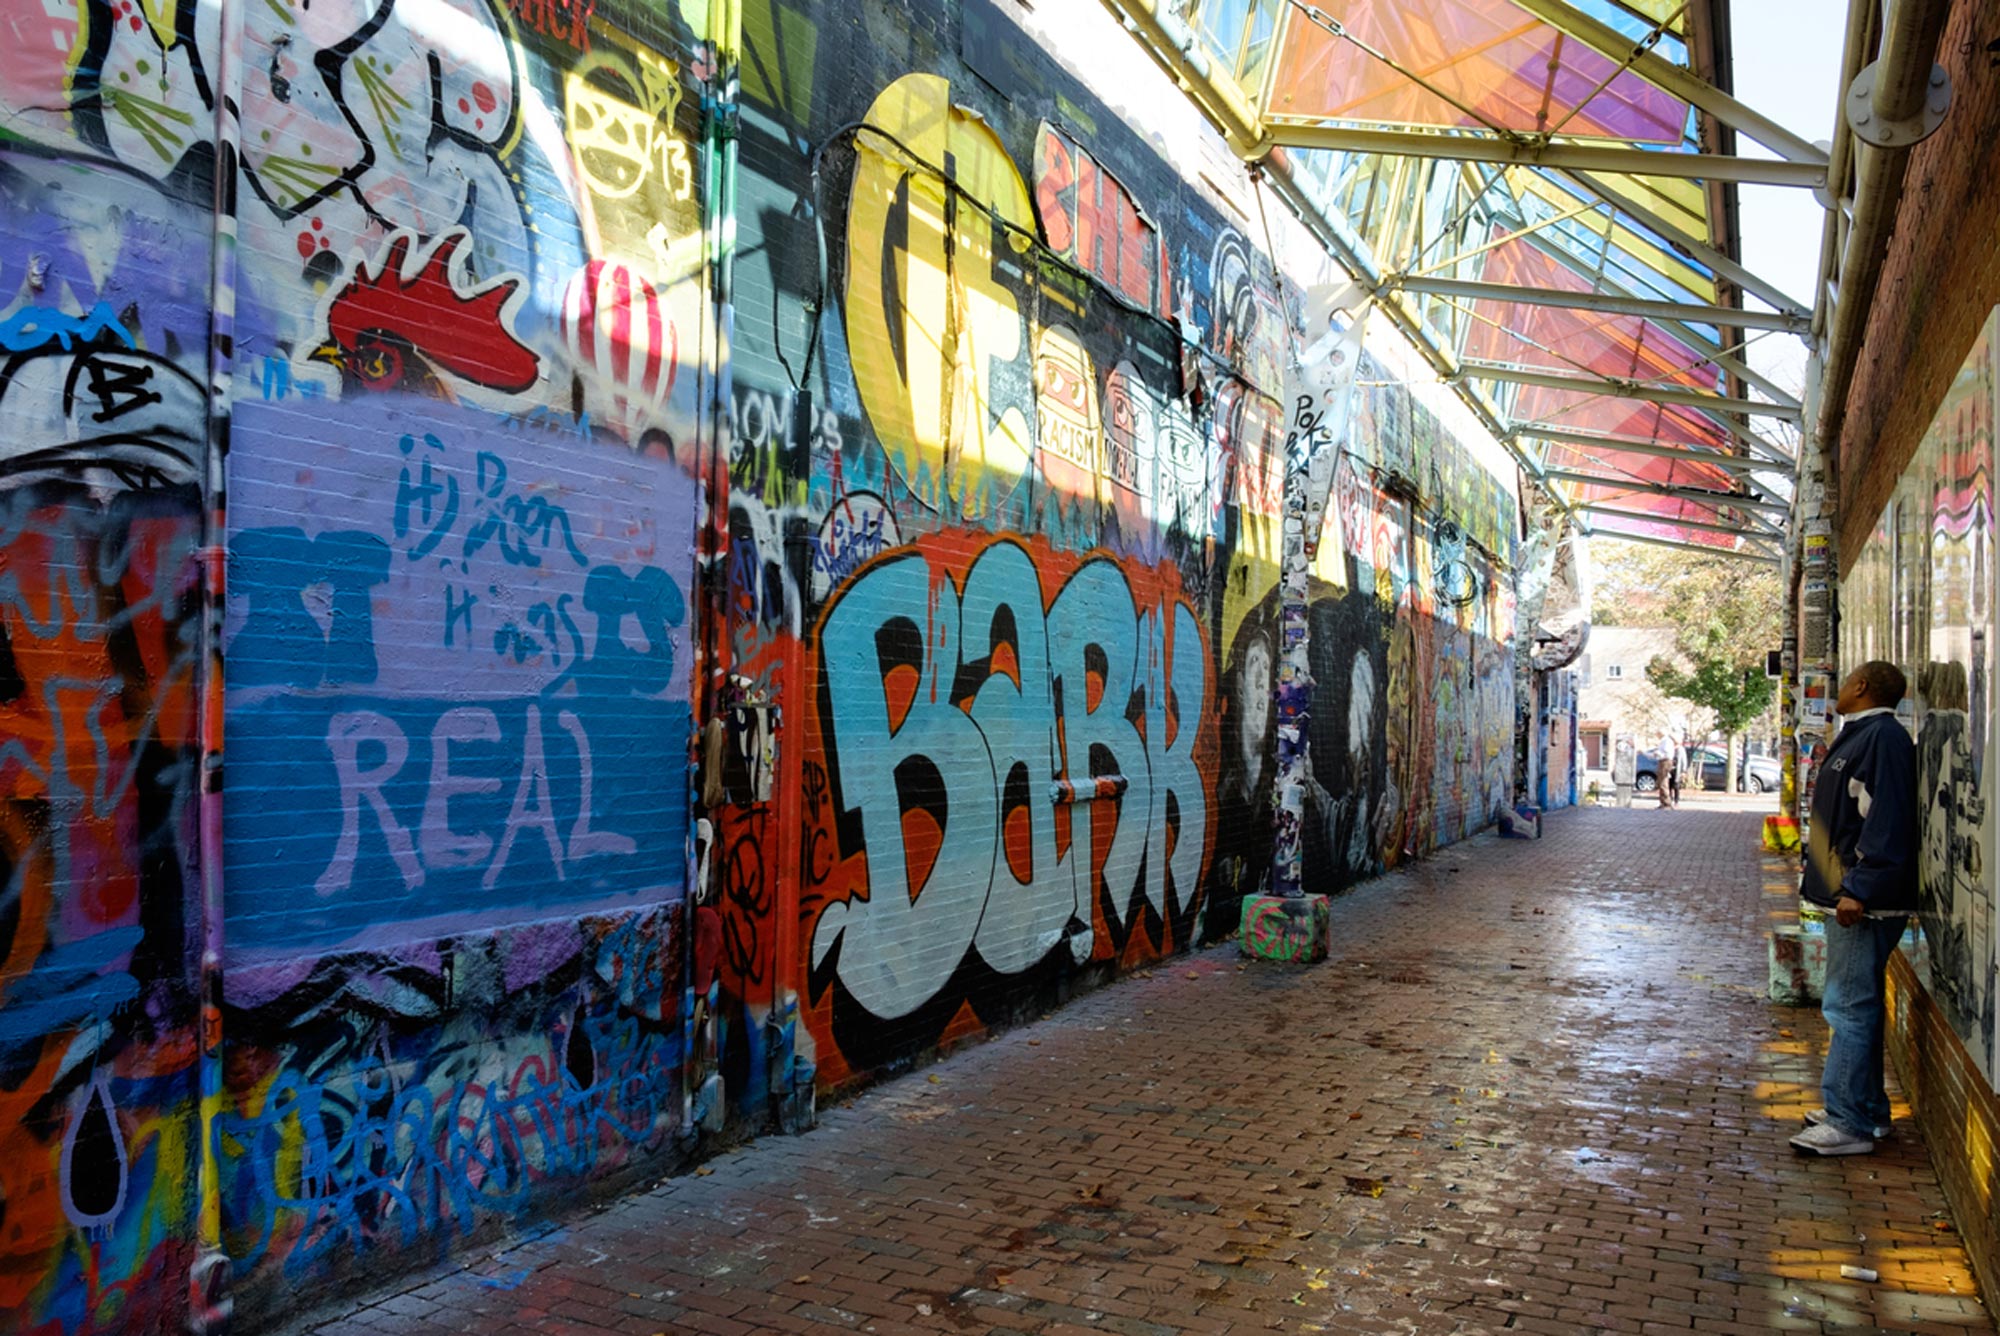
<point x="1814" y="1117"/>
<point x="1826" y="1139"/>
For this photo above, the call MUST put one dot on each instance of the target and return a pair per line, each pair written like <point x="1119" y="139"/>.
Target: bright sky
<point x="1788" y="67"/>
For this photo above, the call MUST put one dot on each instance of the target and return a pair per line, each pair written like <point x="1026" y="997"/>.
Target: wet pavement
<point x="1538" y="1088"/>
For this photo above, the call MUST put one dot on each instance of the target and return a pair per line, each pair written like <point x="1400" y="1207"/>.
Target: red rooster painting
<point x="394" y="328"/>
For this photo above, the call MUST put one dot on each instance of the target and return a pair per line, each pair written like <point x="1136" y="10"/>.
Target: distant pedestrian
<point x="1680" y="769"/>
<point x="1624" y="770"/>
<point x="1861" y="862"/>
<point x="1663" y="770"/>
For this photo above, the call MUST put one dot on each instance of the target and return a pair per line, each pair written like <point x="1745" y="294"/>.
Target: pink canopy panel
<point x="1658" y="522"/>
<point x="1569" y="341"/>
<point x="1565" y="339"/>
<point x="1486" y="62"/>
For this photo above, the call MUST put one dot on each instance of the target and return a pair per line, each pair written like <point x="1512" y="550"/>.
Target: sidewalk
<point x="1537" y="1089"/>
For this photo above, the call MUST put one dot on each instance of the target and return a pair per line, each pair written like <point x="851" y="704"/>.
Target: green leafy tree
<point x="1725" y="615"/>
<point x="1737" y="695"/>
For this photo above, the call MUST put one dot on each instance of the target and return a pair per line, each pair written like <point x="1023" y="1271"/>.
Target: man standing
<point x="1861" y="862"/>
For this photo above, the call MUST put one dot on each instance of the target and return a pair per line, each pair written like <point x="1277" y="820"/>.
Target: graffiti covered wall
<point x="470" y="335"/>
<point x="1556" y="722"/>
<point x="459" y="315"/>
<point x="1015" y="562"/>
<point x="717" y="607"/>
<point x="105" y="314"/>
<point x="1921" y="594"/>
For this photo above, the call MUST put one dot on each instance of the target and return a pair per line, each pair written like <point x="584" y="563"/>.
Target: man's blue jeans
<point x="1857" y="958"/>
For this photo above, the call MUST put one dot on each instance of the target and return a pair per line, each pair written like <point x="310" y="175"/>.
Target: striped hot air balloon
<point x="619" y="330"/>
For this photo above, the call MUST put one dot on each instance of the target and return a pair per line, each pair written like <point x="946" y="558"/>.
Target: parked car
<point x="1754" y="774"/>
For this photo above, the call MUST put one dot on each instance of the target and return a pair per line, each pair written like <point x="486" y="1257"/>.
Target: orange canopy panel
<point x="1486" y="63"/>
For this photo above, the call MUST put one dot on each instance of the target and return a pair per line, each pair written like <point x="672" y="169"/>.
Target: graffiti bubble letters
<point x="412" y="318"/>
<point x="934" y="308"/>
<point x="951" y="715"/>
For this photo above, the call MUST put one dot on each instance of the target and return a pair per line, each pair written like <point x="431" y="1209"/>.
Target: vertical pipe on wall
<point x="209" y="1304"/>
<point x="1902" y="79"/>
<point x="702" y="1099"/>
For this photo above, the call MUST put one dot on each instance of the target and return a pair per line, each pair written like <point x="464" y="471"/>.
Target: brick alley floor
<point x="1538" y="1088"/>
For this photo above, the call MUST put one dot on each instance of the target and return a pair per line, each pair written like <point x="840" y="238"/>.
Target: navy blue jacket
<point x="1864" y="819"/>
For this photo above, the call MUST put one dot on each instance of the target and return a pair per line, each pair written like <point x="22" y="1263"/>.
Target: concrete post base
<point x="1293" y="930"/>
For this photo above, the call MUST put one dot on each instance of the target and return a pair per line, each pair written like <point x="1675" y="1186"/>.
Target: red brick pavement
<point x="1536" y="1089"/>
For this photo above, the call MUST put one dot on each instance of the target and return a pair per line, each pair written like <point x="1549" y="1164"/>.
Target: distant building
<point x="1614" y="695"/>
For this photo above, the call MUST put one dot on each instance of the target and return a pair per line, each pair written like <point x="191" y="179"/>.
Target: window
<point x="1240" y="32"/>
<point x="1614" y="670"/>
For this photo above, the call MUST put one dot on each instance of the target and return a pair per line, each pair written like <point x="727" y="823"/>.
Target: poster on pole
<point x="1321" y="398"/>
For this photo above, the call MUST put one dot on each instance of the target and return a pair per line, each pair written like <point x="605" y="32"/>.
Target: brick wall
<point x="470" y="333"/>
<point x="1957" y="1110"/>
<point x="1034" y="534"/>
<point x="1940" y="280"/>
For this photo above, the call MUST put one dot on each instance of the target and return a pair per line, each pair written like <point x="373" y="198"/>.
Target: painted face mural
<point x="1017" y="749"/>
<point x="1249" y="324"/>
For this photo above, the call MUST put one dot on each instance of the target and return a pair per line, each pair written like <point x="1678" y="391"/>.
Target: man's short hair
<point x="1884" y="681"/>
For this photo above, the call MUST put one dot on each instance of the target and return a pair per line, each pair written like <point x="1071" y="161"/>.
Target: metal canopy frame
<point x="1731" y="317"/>
<point x="1626" y="445"/>
<point x="1754" y="552"/>
<point x="1684" y="84"/>
<point x="1628" y="389"/>
<point x="1700" y="495"/>
<point x="1625" y="293"/>
<point x="1610" y="302"/>
<point x="1605" y="508"/>
<point x="1726" y="266"/>
<point x="1288" y="132"/>
<point x="1729" y="413"/>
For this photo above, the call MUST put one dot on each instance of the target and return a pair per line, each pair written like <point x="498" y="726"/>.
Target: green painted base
<point x="1291" y="930"/>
